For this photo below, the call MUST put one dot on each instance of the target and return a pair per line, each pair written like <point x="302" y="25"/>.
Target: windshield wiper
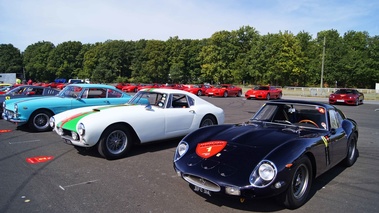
<point x="284" y="122"/>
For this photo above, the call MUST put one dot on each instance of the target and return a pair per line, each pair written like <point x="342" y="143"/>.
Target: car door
<point x="90" y="97"/>
<point x="338" y="138"/>
<point x="115" y="97"/>
<point x="178" y="115"/>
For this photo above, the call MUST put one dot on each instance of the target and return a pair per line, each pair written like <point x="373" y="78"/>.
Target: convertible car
<point x="264" y="92"/>
<point x="36" y="111"/>
<point x="151" y="115"/>
<point x="346" y="96"/>
<point x="277" y="153"/>
<point x="26" y="91"/>
<point x="224" y="90"/>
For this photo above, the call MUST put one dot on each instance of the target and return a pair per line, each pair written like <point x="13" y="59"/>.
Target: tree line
<point x="240" y="56"/>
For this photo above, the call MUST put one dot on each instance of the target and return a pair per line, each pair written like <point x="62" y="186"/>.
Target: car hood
<point x="35" y="99"/>
<point x="69" y="119"/>
<point x="246" y="146"/>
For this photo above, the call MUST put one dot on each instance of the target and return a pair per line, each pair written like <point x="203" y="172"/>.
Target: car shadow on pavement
<point x="269" y="204"/>
<point x="137" y="149"/>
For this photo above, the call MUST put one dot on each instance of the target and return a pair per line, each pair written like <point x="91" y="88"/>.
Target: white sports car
<point x="151" y="115"/>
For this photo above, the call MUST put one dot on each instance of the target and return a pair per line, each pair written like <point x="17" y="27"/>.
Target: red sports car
<point x="224" y="90"/>
<point x="264" y="92"/>
<point x="346" y="96"/>
<point x="194" y="89"/>
<point x="130" y="88"/>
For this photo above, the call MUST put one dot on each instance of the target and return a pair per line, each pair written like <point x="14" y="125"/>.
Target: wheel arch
<point x="127" y="126"/>
<point x="211" y="115"/>
<point x="40" y="110"/>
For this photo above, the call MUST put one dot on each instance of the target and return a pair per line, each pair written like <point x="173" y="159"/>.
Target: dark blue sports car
<point x="277" y="153"/>
<point x="24" y="91"/>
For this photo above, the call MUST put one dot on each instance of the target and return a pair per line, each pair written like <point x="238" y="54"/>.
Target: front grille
<point x="9" y="114"/>
<point x="202" y="183"/>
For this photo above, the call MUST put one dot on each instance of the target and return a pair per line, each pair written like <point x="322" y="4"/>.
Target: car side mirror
<point x="148" y="107"/>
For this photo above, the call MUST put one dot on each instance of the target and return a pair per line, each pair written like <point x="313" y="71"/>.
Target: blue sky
<point x="25" y="22"/>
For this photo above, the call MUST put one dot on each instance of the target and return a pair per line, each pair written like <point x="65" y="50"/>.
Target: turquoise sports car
<point x="36" y="112"/>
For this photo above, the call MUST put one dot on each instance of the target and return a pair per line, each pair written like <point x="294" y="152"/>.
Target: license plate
<point x="253" y="96"/>
<point x="340" y="101"/>
<point x="211" y="93"/>
<point x="198" y="189"/>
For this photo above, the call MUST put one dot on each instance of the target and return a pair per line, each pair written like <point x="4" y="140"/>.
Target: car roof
<point x="93" y="85"/>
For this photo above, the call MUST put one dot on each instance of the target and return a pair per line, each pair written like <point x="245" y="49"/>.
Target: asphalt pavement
<point x="79" y="180"/>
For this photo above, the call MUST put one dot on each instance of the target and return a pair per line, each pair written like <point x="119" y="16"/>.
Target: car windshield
<point x="261" y="88"/>
<point x="345" y="91"/>
<point x="302" y="115"/>
<point x="149" y="98"/>
<point x="70" y="91"/>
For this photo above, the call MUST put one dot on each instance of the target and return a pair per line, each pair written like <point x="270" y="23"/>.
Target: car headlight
<point x="266" y="171"/>
<point x="263" y="174"/>
<point x="181" y="149"/>
<point x="81" y="129"/>
<point x="52" y="122"/>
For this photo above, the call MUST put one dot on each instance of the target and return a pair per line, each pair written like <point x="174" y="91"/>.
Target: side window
<point x="97" y="93"/>
<point x="114" y="94"/>
<point x="38" y="91"/>
<point x="334" y="121"/>
<point x="84" y="94"/>
<point x="191" y="101"/>
<point x="179" y="101"/>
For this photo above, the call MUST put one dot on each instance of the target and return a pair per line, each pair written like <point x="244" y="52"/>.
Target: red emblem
<point x="39" y="159"/>
<point x="209" y="149"/>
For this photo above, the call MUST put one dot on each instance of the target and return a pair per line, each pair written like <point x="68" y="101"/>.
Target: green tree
<point x="10" y="59"/>
<point x="36" y="59"/>
<point x="218" y="56"/>
<point x="63" y="61"/>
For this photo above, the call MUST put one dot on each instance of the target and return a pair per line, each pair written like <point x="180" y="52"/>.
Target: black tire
<point x="297" y="192"/>
<point x="352" y="151"/>
<point x="357" y="102"/>
<point x="199" y="93"/>
<point x="115" y="142"/>
<point x="268" y="96"/>
<point x="39" y="121"/>
<point x="225" y="94"/>
<point x="239" y="94"/>
<point x="208" y="120"/>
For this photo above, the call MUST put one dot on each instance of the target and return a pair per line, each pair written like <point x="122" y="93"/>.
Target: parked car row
<point x="276" y="153"/>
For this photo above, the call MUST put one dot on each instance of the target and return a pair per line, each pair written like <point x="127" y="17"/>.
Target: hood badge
<point x="209" y="149"/>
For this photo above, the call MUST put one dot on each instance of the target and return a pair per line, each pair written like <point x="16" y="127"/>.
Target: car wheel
<point x="299" y="187"/>
<point x="352" y="151"/>
<point x="239" y="94"/>
<point x="268" y="96"/>
<point x="39" y="121"/>
<point x="135" y="90"/>
<point x="280" y="96"/>
<point x="356" y="102"/>
<point x="115" y="142"/>
<point x="199" y="93"/>
<point x="225" y="94"/>
<point x="208" y="120"/>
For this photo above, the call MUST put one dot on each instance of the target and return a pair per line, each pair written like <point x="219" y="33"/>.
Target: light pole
<point x="322" y="64"/>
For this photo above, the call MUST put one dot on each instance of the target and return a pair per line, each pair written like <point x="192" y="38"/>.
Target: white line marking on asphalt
<point x="17" y="142"/>
<point x="77" y="184"/>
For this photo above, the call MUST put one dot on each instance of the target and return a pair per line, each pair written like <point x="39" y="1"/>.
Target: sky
<point x="25" y="22"/>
